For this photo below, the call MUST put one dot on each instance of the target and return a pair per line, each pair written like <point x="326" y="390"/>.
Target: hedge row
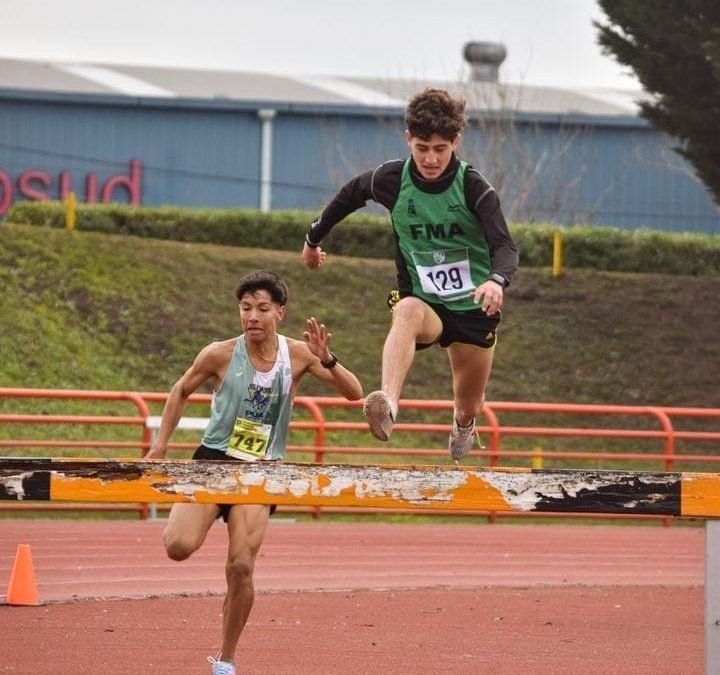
<point x="600" y="248"/>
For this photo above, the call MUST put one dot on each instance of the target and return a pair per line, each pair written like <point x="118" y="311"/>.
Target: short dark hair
<point x="263" y="280"/>
<point x="434" y="111"/>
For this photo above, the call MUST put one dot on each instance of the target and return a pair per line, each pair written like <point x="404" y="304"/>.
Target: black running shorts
<point x="217" y="456"/>
<point x="472" y="327"/>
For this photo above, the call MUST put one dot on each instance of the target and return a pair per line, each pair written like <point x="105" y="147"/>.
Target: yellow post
<point x="537" y="458"/>
<point x="557" y="254"/>
<point x="70" y="211"/>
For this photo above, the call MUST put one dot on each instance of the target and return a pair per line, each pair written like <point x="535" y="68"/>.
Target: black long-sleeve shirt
<point x="382" y="185"/>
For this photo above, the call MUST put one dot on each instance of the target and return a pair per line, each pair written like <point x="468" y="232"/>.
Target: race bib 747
<point x="249" y="440"/>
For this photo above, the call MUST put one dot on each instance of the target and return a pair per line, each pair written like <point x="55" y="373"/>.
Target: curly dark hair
<point x="434" y="111"/>
<point x="264" y="280"/>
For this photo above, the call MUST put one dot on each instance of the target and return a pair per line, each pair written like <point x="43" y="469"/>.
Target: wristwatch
<point x="498" y="279"/>
<point x="309" y="243"/>
<point x="331" y="363"/>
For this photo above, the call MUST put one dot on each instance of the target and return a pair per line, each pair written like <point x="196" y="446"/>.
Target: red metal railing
<point x="655" y="438"/>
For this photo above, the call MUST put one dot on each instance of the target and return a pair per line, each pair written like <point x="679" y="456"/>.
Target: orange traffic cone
<point x="22" y="589"/>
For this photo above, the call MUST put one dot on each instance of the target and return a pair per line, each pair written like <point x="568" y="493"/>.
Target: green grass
<point x="96" y="311"/>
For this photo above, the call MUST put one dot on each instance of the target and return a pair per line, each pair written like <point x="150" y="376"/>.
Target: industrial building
<point x="165" y="136"/>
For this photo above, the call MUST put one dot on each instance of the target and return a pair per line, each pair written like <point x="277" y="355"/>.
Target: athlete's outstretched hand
<point x="491" y="294"/>
<point x="332" y="373"/>
<point x="318" y="339"/>
<point x="313" y="257"/>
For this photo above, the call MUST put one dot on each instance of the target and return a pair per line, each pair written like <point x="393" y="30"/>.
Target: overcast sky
<point x="549" y="42"/>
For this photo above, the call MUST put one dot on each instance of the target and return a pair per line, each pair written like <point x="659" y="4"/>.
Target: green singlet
<point x="444" y="248"/>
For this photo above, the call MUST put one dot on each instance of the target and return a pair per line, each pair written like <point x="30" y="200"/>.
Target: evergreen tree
<point x="674" y="48"/>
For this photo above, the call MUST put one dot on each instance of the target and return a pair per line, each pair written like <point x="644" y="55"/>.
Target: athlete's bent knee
<point x="410" y="311"/>
<point x="179" y="548"/>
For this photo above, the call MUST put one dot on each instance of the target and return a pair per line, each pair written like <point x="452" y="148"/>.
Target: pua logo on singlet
<point x="258" y="398"/>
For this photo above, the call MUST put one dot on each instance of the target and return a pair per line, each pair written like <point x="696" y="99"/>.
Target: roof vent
<point x="484" y="59"/>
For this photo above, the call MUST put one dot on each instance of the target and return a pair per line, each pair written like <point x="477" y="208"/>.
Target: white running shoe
<point x="380" y="413"/>
<point x="221" y="667"/>
<point x="461" y="439"/>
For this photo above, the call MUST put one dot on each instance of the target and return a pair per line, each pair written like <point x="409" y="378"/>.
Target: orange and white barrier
<point x="387" y="487"/>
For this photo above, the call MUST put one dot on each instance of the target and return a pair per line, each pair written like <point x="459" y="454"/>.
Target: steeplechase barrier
<point x="695" y="495"/>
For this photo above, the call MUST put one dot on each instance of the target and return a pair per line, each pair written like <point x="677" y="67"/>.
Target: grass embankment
<point x="96" y="311"/>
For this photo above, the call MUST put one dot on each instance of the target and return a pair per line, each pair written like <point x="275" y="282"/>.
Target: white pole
<point x="266" y="116"/>
<point x="712" y="597"/>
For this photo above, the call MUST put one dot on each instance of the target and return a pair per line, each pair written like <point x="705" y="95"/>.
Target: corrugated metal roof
<point x="154" y="82"/>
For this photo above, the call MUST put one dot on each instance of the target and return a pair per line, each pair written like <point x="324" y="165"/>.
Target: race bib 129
<point x="444" y="273"/>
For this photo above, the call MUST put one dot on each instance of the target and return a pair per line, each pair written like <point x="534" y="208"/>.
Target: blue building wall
<point x="313" y="155"/>
<point x="189" y="157"/>
<point x="617" y="172"/>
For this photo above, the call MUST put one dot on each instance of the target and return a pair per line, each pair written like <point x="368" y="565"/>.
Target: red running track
<point x="337" y="598"/>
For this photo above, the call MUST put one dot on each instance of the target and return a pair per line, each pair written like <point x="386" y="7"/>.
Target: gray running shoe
<point x="461" y="439"/>
<point x="221" y="667"/>
<point x="380" y="413"/>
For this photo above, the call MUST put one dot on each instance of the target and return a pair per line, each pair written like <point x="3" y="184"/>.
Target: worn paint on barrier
<point x="390" y="486"/>
<point x="593" y="491"/>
